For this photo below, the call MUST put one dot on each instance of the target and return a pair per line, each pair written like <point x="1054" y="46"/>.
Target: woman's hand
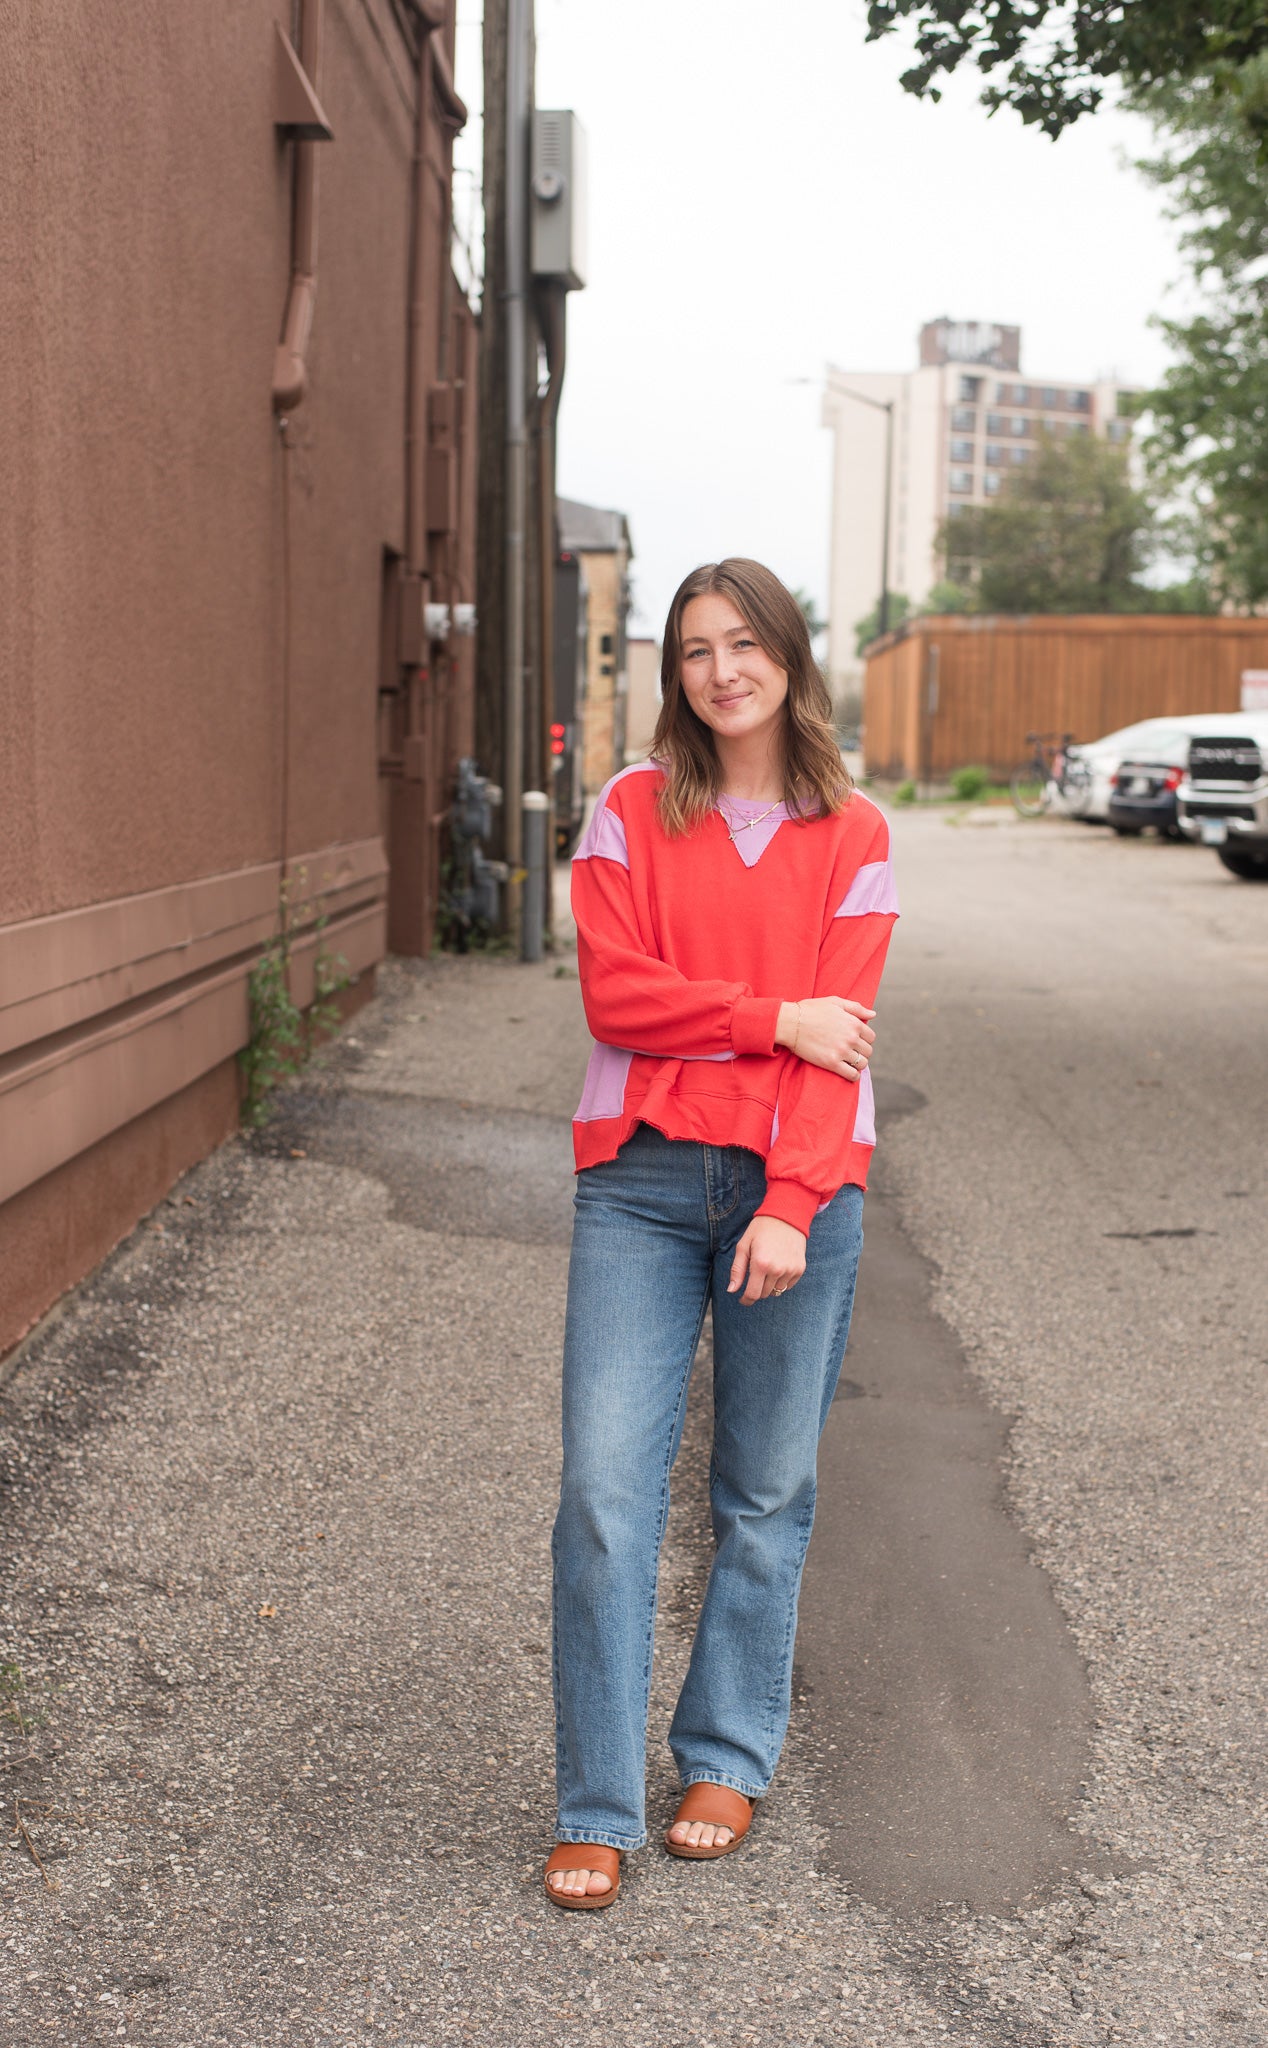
<point x="773" y="1254"/>
<point x="829" y="1032"/>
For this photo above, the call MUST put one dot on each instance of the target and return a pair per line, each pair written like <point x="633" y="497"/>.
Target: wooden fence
<point x="948" y="692"/>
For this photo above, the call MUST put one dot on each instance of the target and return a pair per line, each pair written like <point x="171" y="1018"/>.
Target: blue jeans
<point x="655" y="1234"/>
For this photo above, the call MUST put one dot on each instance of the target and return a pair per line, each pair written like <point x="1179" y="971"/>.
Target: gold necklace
<point x="746" y="824"/>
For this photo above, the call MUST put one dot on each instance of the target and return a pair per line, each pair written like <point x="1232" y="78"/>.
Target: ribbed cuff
<point x="792" y="1203"/>
<point x="754" y="1022"/>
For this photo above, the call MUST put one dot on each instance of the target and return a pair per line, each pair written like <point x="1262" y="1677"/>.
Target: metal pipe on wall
<point x="416" y="370"/>
<point x="290" y="366"/>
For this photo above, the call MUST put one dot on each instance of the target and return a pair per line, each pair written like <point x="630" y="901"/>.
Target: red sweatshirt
<point x="688" y="946"/>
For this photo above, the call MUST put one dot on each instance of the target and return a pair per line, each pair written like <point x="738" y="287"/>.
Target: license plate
<point x="1214" y="831"/>
<point x="1138" y="786"/>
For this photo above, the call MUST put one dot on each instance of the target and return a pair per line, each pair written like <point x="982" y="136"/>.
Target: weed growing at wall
<point x="283" y="1037"/>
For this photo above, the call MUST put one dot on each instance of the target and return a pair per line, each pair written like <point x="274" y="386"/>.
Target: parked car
<point x="1149" y="739"/>
<point x="1162" y="742"/>
<point x="1143" y="794"/>
<point x="1223" y="799"/>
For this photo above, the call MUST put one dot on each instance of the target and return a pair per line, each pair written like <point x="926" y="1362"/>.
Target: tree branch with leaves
<point x="1052" y="61"/>
<point x="1069" y="533"/>
<point x="1207" y="445"/>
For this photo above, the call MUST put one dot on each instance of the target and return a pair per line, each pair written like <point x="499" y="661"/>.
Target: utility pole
<point x="491" y="448"/>
<point x="534" y="255"/>
<point x="504" y="528"/>
<point x="519" y="100"/>
<point x="889" y="490"/>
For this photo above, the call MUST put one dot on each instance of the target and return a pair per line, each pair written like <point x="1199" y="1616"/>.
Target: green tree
<point x="1070" y="533"/>
<point x="947" y="596"/>
<point x="869" y="627"/>
<point x="1053" y="60"/>
<point x="1208" y="441"/>
<point x="815" y="622"/>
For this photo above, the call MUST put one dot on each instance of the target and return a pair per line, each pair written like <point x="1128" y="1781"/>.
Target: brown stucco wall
<point x="59" y="1229"/>
<point x="193" y="633"/>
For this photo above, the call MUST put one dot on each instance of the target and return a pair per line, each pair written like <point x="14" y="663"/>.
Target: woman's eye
<point x="746" y="643"/>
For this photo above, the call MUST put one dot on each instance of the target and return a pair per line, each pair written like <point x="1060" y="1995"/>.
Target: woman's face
<point x="731" y="684"/>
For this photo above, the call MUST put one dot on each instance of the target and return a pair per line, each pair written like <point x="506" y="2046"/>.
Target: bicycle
<point x="1051" y="770"/>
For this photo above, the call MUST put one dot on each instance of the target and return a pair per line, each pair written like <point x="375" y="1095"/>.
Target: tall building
<point x="601" y="540"/>
<point x="961" y="420"/>
<point x="642" y="704"/>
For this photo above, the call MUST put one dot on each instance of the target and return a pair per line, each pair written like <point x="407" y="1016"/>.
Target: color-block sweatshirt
<point x="687" y="947"/>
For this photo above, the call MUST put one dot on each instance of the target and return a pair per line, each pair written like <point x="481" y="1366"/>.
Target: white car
<point x="1162" y="740"/>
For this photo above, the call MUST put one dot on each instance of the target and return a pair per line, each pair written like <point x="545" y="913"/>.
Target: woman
<point x="734" y="902"/>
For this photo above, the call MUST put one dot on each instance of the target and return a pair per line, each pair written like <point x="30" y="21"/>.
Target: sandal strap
<point x="715" y="1806"/>
<point x="585" y="1856"/>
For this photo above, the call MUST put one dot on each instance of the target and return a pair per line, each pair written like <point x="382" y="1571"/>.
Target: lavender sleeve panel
<point x="865" y="1115"/>
<point x="603" y="1094"/>
<point x="604" y="838"/>
<point x="871" y="890"/>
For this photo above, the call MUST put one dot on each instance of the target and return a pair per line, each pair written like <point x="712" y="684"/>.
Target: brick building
<point x="601" y="542"/>
<point x="237" y="382"/>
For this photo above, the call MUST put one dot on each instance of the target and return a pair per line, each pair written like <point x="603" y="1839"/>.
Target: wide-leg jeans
<point x="655" y="1234"/>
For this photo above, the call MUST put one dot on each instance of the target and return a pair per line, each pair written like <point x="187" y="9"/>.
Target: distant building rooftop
<point x="970" y="341"/>
<point x="590" y="529"/>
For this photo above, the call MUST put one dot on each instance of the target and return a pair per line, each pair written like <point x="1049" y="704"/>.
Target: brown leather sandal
<point x="716" y="1806"/>
<point x="583" y="1856"/>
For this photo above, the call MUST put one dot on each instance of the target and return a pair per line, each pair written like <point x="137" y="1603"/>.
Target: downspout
<point x="553" y="313"/>
<point x="290" y="366"/>
<point x="416" y="419"/>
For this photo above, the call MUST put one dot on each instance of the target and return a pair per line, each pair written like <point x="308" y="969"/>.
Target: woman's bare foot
<point x="711" y="1821"/>
<point x="582" y="1875"/>
<point x="577" y="1883"/>
<point x="698" y="1834"/>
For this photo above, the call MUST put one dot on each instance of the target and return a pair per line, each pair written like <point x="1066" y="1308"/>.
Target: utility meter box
<point x="558" y="247"/>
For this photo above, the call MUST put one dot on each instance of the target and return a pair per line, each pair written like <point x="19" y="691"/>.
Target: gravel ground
<point x="278" y="1483"/>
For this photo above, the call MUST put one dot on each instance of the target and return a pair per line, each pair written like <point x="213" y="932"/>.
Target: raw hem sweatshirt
<point x="686" y="949"/>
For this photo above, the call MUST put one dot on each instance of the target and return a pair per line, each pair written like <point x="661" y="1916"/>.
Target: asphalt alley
<point x="278" y="1484"/>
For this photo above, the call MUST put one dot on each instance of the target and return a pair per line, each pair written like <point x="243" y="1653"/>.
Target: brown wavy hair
<point x="816" y="780"/>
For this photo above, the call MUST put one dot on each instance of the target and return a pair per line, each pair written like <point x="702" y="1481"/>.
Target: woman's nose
<point x="726" y="664"/>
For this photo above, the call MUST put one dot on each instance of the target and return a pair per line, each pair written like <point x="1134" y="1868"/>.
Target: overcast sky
<point x="764" y="199"/>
